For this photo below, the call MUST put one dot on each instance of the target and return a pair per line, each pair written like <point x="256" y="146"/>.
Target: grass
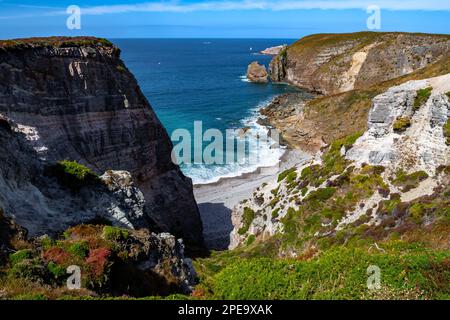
<point x="422" y="97"/>
<point x="339" y="273"/>
<point x="286" y="173"/>
<point x="321" y="194"/>
<point x="446" y="131"/>
<point x="73" y="175"/>
<point x="19" y="256"/>
<point x="247" y="217"/>
<point x="406" y="181"/>
<point x="61" y="42"/>
<point x="114" y="233"/>
<point x="275" y="213"/>
<point x="401" y="124"/>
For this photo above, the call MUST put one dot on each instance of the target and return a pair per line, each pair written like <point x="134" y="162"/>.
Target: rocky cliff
<point x="311" y="124"/>
<point x="334" y="63"/>
<point x="391" y="178"/>
<point x="73" y="98"/>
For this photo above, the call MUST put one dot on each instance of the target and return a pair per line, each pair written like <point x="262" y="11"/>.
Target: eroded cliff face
<point x="334" y="63"/>
<point x="73" y="98"/>
<point x="392" y="177"/>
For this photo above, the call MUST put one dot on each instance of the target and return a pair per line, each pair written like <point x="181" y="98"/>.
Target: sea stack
<point x="257" y="73"/>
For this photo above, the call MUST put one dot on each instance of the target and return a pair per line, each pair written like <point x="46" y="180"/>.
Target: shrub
<point x="79" y="249"/>
<point x="251" y="238"/>
<point x="275" y="213"/>
<point x="247" y="218"/>
<point x="19" y="256"/>
<point x="291" y="177"/>
<point x="114" y="233"/>
<point x="321" y="194"/>
<point x="56" y="270"/>
<point x="57" y="255"/>
<point x="446" y="130"/>
<point x="73" y="175"/>
<point x="422" y="97"/>
<point x="409" y="181"/>
<point x="27" y="269"/>
<point x="401" y="124"/>
<point x="285" y="173"/>
<point x="98" y="263"/>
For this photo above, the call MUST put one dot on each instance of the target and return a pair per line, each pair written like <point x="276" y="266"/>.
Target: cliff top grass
<point x="58" y="42"/>
<point x="328" y="39"/>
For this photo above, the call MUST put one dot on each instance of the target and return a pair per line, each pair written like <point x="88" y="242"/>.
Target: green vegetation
<point x="321" y="194"/>
<point x="446" y="130"/>
<point x="401" y="124"/>
<point x="286" y="173"/>
<point x="121" y="69"/>
<point x="406" y="181"/>
<point x="275" y="213"/>
<point x="19" y="256"/>
<point x="80" y="249"/>
<point x="247" y="217"/>
<point x="73" y="175"/>
<point x="339" y="273"/>
<point x="62" y="42"/>
<point x="114" y="233"/>
<point x="291" y="177"/>
<point x="422" y="97"/>
<point x="251" y="238"/>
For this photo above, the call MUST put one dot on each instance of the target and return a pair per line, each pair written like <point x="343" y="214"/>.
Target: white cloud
<point x="277" y="5"/>
<point x="177" y="6"/>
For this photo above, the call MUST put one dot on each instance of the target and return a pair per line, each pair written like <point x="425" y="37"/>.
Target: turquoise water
<point x="187" y="80"/>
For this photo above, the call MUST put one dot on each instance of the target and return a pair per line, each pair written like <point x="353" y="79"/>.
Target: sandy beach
<point x="216" y="200"/>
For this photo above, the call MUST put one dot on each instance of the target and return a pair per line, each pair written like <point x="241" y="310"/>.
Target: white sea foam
<point x="244" y="79"/>
<point x="267" y="155"/>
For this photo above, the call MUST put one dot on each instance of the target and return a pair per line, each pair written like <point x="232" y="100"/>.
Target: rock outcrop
<point x="257" y="73"/>
<point x="39" y="203"/>
<point x="273" y="51"/>
<point x="421" y="144"/>
<point x="73" y="98"/>
<point x="390" y="178"/>
<point x="334" y="63"/>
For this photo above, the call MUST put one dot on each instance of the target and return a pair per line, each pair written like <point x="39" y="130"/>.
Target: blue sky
<point x="217" y="19"/>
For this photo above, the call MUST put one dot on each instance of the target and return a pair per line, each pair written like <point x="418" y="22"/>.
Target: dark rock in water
<point x="73" y="98"/>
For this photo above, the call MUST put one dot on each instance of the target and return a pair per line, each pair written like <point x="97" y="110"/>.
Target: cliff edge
<point x="335" y="63"/>
<point x="74" y="99"/>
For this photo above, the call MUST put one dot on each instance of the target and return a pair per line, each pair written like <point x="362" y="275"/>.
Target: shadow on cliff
<point x="217" y="225"/>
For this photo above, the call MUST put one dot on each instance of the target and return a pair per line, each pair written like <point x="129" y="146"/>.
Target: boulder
<point x="257" y="73"/>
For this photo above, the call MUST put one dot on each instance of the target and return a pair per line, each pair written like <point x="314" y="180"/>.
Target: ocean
<point x="187" y="80"/>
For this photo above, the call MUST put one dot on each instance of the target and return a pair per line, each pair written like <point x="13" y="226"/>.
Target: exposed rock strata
<point x="76" y="100"/>
<point x="422" y="146"/>
<point x="417" y="157"/>
<point x="330" y="63"/>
